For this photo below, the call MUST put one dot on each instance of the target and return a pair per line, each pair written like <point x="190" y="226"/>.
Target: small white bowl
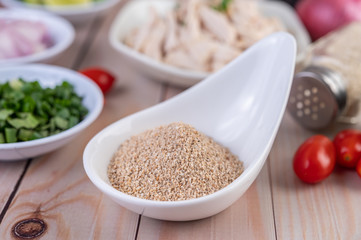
<point x="76" y="14"/>
<point x="50" y="76"/>
<point x="241" y="106"/>
<point x="136" y="12"/>
<point x="60" y="31"/>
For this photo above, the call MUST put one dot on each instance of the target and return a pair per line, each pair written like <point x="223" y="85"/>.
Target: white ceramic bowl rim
<point x="115" y="193"/>
<point x="89" y="118"/>
<point x="108" y="189"/>
<point x="285" y="12"/>
<point x="43" y="17"/>
<point x="117" y="44"/>
<point x="65" y="10"/>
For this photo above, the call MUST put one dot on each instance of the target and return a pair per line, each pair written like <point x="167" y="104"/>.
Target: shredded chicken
<point x="154" y="44"/>
<point x="196" y="36"/>
<point x="217" y="24"/>
<point x="179" y="58"/>
<point x="171" y="39"/>
<point x="137" y="38"/>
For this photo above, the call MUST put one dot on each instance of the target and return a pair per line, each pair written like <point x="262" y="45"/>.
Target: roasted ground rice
<point x="171" y="163"/>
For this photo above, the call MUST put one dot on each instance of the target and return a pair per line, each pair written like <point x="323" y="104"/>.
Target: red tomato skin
<point x="358" y="168"/>
<point x="315" y="159"/>
<point x="101" y="77"/>
<point x="348" y="147"/>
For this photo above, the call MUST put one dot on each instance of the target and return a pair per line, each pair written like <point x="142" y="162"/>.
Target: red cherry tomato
<point x="101" y="77"/>
<point x="358" y="168"/>
<point x="348" y="147"/>
<point x="315" y="159"/>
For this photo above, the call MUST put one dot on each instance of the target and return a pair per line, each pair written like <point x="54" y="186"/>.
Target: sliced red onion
<point x="21" y="38"/>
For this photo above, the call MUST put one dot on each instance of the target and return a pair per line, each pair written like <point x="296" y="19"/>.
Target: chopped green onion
<point x="28" y="111"/>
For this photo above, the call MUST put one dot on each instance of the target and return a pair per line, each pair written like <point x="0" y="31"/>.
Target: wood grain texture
<point x="328" y="210"/>
<point x="250" y="217"/>
<point x="10" y="172"/>
<point x="73" y="54"/>
<point x="55" y="188"/>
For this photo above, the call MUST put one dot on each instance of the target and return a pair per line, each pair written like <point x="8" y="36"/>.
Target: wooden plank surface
<point x="55" y="189"/>
<point x="10" y="173"/>
<point x="250" y="217"/>
<point x="327" y="210"/>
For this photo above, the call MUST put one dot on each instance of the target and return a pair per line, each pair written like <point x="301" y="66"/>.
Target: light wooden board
<point x="250" y="217"/>
<point x="10" y="172"/>
<point x="56" y="189"/>
<point x="328" y="210"/>
<point x="278" y="205"/>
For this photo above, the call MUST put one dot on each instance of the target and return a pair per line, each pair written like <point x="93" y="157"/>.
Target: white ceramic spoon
<point x="241" y="107"/>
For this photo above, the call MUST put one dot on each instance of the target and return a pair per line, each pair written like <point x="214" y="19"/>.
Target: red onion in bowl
<point x="22" y="37"/>
<point x="323" y="16"/>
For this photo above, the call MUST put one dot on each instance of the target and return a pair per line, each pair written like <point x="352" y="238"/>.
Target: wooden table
<point x="53" y="194"/>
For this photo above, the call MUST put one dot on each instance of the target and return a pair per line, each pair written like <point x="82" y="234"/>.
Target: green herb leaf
<point x="28" y="111"/>
<point x="61" y="122"/>
<point x="2" y="138"/>
<point x="10" y="135"/>
<point x="29" y="122"/>
<point x="5" y="113"/>
<point x="223" y="6"/>
<point x="25" y="135"/>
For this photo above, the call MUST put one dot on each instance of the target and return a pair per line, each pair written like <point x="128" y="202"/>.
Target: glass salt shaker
<point x="327" y="82"/>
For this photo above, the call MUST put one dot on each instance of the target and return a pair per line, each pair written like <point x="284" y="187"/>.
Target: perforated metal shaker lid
<point x="318" y="96"/>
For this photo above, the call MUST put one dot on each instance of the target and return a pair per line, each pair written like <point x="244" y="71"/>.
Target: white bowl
<point x="61" y="32"/>
<point x="136" y="12"/>
<point x="76" y="14"/>
<point x="240" y="106"/>
<point x="50" y="76"/>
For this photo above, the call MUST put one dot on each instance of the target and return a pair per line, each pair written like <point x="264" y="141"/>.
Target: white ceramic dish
<point x="240" y="106"/>
<point x="61" y="32"/>
<point x="50" y="76"/>
<point x="76" y="14"/>
<point x="136" y="13"/>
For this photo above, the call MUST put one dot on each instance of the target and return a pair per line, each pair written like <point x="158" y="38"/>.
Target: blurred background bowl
<point x="50" y="76"/>
<point x="75" y="13"/>
<point x="60" y="31"/>
<point x="136" y="13"/>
